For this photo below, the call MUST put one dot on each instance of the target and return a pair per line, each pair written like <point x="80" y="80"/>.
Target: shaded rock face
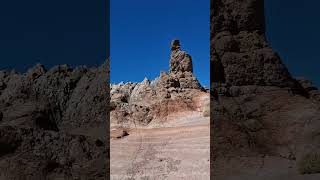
<point x="138" y="104"/>
<point x="236" y="16"/>
<point x="263" y="121"/>
<point x="51" y="120"/>
<point x="239" y="44"/>
<point x="310" y="88"/>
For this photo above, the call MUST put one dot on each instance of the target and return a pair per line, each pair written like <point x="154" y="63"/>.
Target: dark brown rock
<point x="307" y="84"/>
<point x="239" y="46"/>
<point x="262" y="128"/>
<point x="52" y="122"/>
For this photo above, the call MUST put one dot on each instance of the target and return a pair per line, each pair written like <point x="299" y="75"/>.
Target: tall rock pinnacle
<point x="180" y="61"/>
<point x="181" y="70"/>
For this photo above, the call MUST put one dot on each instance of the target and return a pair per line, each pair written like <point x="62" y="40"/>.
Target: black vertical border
<point x="211" y="93"/>
<point x="108" y="89"/>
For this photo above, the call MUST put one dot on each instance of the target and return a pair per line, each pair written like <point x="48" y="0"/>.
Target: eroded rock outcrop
<point x="180" y="70"/>
<point x="138" y="104"/>
<point x="239" y="44"/>
<point x="160" y="128"/>
<point x="263" y="121"/>
<point x="180" y="61"/>
<point x="53" y="123"/>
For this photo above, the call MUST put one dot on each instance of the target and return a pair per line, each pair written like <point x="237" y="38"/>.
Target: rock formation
<point x="239" y="44"/>
<point x="180" y="61"/>
<point x="53" y="123"/>
<point x="147" y="101"/>
<point x="264" y="122"/>
<point x="181" y="69"/>
<point x="160" y="127"/>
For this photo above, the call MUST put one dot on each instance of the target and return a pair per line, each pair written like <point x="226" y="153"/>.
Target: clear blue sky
<point x="141" y="32"/>
<point x="293" y="28"/>
<point x="53" y="32"/>
<point x="75" y="32"/>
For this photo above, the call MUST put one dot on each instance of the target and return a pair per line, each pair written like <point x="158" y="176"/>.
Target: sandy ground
<point x="179" y="149"/>
<point x="270" y="168"/>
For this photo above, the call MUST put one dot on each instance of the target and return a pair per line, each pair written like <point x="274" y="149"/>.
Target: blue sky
<point x="52" y="32"/>
<point x="76" y="32"/>
<point x="141" y="32"/>
<point x="293" y="30"/>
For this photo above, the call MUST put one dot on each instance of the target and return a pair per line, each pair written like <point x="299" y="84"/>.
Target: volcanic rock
<point x="138" y="104"/>
<point x="51" y="120"/>
<point x="181" y="69"/>
<point x="167" y="119"/>
<point x="239" y="44"/>
<point x="180" y="61"/>
<point x="264" y="124"/>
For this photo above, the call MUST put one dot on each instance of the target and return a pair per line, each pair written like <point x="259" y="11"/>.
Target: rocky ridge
<point x="53" y="123"/>
<point x="138" y="104"/>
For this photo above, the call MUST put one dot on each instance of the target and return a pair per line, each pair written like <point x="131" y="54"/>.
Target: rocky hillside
<point x="160" y="129"/>
<point x="139" y="104"/>
<point x="53" y="123"/>
<point x="265" y="122"/>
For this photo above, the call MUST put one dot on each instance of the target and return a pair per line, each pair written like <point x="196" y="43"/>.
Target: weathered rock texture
<point x="264" y="122"/>
<point x="138" y="104"/>
<point x="180" y="61"/>
<point x="239" y="44"/>
<point x="160" y="127"/>
<point x="53" y="124"/>
<point x="134" y="104"/>
<point x="180" y="70"/>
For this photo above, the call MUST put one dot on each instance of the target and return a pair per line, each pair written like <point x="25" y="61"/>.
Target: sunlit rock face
<point x="173" y="104"/>
<point x="146" y="101"/>
<point x="180" y="61"/>
<point x="180" y="69"/>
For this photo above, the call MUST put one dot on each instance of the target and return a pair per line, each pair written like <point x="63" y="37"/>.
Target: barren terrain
<point x="179" y="150"/>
